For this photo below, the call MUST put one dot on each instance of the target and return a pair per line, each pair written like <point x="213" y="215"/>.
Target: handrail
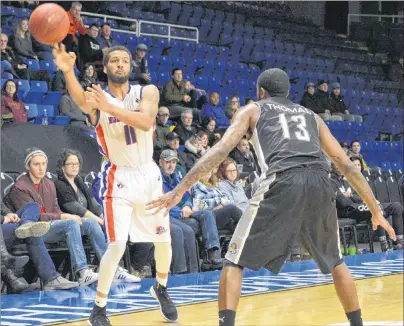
<point x="371" y="15"/>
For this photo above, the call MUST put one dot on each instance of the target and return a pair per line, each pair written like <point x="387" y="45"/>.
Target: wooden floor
<point x="381" y="299"/>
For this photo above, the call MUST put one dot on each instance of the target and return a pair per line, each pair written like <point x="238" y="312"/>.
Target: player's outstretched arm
<point x="334" y="151"/>
<point x="142" y="119"/>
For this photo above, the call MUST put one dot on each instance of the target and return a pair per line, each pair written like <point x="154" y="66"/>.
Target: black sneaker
<point x="167" y="307"/>
<point x="98" y="317"/>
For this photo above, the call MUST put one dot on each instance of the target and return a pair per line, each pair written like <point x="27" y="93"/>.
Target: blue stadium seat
<point x="32" y="64"/>
<point x="48" y="65"/>
<point x="23" y="87"/>
<point x="38" y="86"/>
<point x="34" y="97"/>
<point x="6" y="75"/>
<point x="32" y="110"/>
<point x="52" y="98"/>
<point x="50" y="110"/>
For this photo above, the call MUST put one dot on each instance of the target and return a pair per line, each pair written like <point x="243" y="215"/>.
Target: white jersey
<point x="123" y="145"/>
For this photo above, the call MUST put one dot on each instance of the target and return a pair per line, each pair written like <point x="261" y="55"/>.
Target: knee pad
<point x="228" y="263"/>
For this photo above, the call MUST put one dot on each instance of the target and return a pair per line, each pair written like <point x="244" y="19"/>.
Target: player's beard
<point x="117" y="79"/>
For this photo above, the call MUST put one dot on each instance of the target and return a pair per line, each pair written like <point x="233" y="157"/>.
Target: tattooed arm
<point x="244" y="121"/>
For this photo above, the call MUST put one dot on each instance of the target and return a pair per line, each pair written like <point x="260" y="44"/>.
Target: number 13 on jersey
<point x="301" y="133"/>
<point x="130" y="135"/>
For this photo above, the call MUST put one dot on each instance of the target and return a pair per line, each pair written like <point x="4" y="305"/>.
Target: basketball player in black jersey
<point x="293" y="199"/>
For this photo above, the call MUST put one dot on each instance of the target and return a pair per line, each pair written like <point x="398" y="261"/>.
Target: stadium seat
<point x="32" y="110"/>
<point x="38" y="86"/>
<point x="52" y="98"/>
<point x="50" y="110"/>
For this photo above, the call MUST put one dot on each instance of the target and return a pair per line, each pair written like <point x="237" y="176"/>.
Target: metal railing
<point x="138" y="27"/>
<point x="380" y="17"/>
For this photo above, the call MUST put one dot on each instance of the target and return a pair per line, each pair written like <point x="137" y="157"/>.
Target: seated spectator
<point x="203" y="136"/>
<point x="194" y="149"/>
<point x="31" y="235"/>
<point x="201" y="221"/>
<point x="176" y="97"/>
<point x="43" y="51"/>
<point x="185" y="162"/>
<point x="321" y="97"/>
<point x="345" y="146"/>
<point x="337" y="106"/>
<point x="89" y="48"/>
<point x="76" y="25"/>
<point x="35" y="187"/>
<point x="162" y="130"/>
<point x="355" y="151"/>
<point x="208" y="125"/>
<point x="309" y="99"/>
<point x="21" y="41"/>
<point x="242" y="155"/>
<point x="88" y="76"/>
<point x="232" y="106"/>
<point x="200" y="94"/>
<point x="59" y="82"/>
<point x="141" y="66"/>
<point x="212" y="109"/>
<point x="248" y="101"/>
<point x="69" y="108"/>
<point x="75" y="198"/>
<point x="12" y="109"/>
<point x="184" y="128"/>
<point x="105" y="39"/>
<point x="230" y="184"/>
<point x="182" y="235"/>
<point x="18" y="68"/>
<point x="207" y="196"/>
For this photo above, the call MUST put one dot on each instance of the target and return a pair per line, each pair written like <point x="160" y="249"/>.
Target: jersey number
<point x="130" y="135"/>
<point x="301" y="133"/>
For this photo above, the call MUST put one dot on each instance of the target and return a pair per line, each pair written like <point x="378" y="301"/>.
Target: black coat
<point x="184" y="133"/>
<point x="308" y="101"/>
<point x="336" y="104"/>
<point x="321" y="101"/>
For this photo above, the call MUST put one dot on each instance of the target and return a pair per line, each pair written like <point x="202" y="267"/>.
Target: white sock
<point x="162" y="281"/>
<point x="100" y="302"/>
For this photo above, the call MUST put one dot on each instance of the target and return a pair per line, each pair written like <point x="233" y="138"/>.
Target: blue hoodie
<point x="209" y="110"/>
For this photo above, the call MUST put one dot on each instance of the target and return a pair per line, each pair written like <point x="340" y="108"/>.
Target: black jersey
<point x="286" y="136"/>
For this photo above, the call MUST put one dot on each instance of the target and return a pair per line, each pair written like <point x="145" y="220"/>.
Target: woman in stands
<point x="207" y="196"/>
<point x="208" y="125"/>
<point x="12" y="109"/>
<point x="22" y="42"/>
<point x="74" y="197"/>
<point x="232" y="106"/>
<point x="88" y="76"/>
<point x="230" y="184"/>
<point x="203" y="136"/>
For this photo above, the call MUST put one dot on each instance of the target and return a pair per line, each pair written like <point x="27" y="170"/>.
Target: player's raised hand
<point x="165" y="203"/>
<point x="63" y="60"/>
<point x="95" y="96"/>
<point x="379" y="219"/>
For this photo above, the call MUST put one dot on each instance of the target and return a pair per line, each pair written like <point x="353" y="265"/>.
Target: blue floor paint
<point x="62" y="306"/>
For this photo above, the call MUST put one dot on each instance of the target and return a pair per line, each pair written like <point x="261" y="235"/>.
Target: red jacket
<point x="24" y="192"/>
<point x="17" y="108"/>
<point x="75" y="26"/>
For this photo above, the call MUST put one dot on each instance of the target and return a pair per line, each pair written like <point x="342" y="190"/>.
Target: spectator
<point x="200" y="94"/>
<point x="43" y="51"/>
<point x="21" y="41"/>
<point x="18" y="68"/>
<point x="88" y="76"/>
<point x="76" y="25"/>
<point x="182" y="235"/>
<point x="232" y="106"/>
<point x="248" y="101"/>
<point x="75" y="198"/>
<point x="242" y="155"/>
<point x="184" y="128"/>
<point x="141" y="66"/>
<point x="162" y="130"/>
<point x="89" y="48"/>
<point x="36" y="250"/>
<point x="69" y="108"/>
<point x="355" y="151"/>
<point x="35" y="187"/>
<point x="208" y="125"/>
<point x="337" y="106"/>
<point x="230" y="184"/>
<point x="212" y="109"/>
<point x="105" y="40"/>
<point x="203" y="136"/>
<point x="207" y="196"/>
<point x="176" y="97"/>
<point x="59" y="82"/>
<point x="309" y="99"/>
<point x="201" y="221"/>
<point x="194" y="149"/>
<point x="321" y="97"/>
<point x="185" y="162"/>
<point x="345" y="146"/>
<point x="12" y="109"/>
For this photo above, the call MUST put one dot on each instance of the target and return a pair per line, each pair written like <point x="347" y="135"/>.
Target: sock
<point x="355" y="318"/>
<point x="227" y="317"/>
<point x="100" y="302"/>
<point x="162" y="281"/>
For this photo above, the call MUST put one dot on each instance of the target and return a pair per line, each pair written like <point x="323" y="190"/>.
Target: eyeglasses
<point x="231" y="171"/>
<point x="72" y="164"/>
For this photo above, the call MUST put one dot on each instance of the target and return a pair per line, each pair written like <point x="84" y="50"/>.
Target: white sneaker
<point x="122" y="275"/>
<point x="87" y="277"/>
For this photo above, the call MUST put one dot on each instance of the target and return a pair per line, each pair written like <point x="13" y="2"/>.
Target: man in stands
<point x="105" y="40"/>
<point x="185" y="162"/>
<point x="202" y="221"/>
<point x="34" y="187"/>
<point x="355" y="151"/>
<point x="184" y="128"/>
<point x="76" y="25"/>
<point x="308" y="100"/>
<point x="140" y="65"/>
<point x="89" y="48"/>
<point x="242" y="155"/>
<point x="212" y="109"/>
<point x="162" y="130"/>
<point x="176" y="97"/>
<point x="321" y="97"/>
<point x="337" y="106"/>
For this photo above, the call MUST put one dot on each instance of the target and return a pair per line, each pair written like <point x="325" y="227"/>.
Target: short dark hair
<point x="94" y="25"/>
<point x="275" y="81"/>
<point x="357" y="158"/>
<point x="108" y="52"/>
<point x="174" y="70"/>
<point x="355" y="141"/>
<point x="62" y="158"/>
<point x="105" y="24"/>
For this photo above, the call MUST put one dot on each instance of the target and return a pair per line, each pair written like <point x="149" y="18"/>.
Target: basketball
<point x="49" y="23"/>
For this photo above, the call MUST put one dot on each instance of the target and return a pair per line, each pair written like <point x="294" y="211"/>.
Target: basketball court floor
<point x="299" y="295"/>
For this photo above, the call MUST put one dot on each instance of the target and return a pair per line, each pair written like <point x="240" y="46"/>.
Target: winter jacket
<point x="321" y="101"/>
<point x="309" y="101"/>
<point x="173" y="93"/>
<point x="90" y="49"/>
<point x="184" y="133"/>
<point x="336" y="104"/>
<point x="234" y="192"/>
<point x="160" y="134"/>
<point x="248" y="162"/>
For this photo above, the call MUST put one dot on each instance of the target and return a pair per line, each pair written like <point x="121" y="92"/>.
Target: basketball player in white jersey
<point x="124" y="118"/>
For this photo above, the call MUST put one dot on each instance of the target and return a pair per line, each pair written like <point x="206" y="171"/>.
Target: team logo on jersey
<point x="233" y="248"/>
<point x="120" y="185"/>
<point x="160" y="230"/>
